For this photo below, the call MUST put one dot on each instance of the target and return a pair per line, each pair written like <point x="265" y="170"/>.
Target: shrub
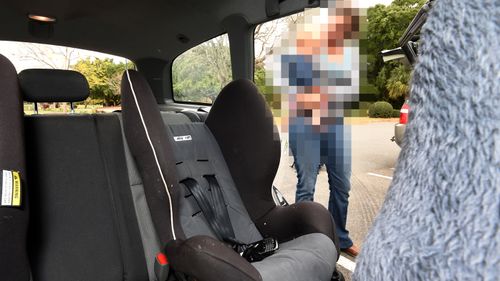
<point x="395" y="113"/>
<point x="380" y="109"/>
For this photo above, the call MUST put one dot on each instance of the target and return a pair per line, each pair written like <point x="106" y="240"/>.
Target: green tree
<point x="199" y="74"/>
<point x="260" y="77"/>
<point x="104" y="76"/>
<point x="386" y="24"/>
<point x="398" y="84"/>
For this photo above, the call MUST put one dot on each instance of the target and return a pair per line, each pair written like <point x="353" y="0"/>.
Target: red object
<point x="162" y="259"/>
<point x="403" y="114"/>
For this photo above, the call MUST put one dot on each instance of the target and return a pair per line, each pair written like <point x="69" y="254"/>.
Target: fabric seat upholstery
<point x="308" y="257"/>
<point x="191" y="247"/>
<point x="149" y="235"/>
<point x="82" y="226"/>
<point x="298" y="253"/>
<point x="14" y="263"/>
<point x="195" y="159"/>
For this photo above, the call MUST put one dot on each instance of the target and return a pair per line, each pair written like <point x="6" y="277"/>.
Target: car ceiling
<point x="131" y="28"/>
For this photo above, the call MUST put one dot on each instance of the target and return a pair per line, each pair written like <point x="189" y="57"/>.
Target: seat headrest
<point x="53" y="85"/>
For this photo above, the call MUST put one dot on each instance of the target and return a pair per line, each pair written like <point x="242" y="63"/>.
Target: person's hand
<point x="313" y="105"/>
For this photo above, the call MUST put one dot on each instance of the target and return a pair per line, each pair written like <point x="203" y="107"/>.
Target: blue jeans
<point x="333" y="150"/>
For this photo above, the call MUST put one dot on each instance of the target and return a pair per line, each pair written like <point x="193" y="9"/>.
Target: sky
<point x="369" y="3"/>
<point x="30" y="55"/>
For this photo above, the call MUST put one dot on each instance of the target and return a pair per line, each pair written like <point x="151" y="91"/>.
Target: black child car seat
<point x="238" y="148"/>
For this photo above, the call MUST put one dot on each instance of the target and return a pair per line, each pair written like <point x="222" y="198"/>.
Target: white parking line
<point x="380" y="176"/>
<point x="346" y="263"/>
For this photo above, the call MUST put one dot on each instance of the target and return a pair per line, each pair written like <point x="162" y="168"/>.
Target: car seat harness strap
<point x="197" y="174"/>
<point x="212" y="204"/>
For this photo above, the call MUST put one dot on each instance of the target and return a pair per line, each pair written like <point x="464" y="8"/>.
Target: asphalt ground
<point x="374" y="158"/>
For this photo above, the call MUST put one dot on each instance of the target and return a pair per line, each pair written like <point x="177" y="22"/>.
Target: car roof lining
<point x="133" y="29"/>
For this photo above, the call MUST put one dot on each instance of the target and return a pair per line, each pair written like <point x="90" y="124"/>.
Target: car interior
<point x="120" y="196"/>
<point x="148" y="192"/>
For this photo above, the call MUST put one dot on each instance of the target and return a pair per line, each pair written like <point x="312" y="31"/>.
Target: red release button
<point x="162" y="259"/>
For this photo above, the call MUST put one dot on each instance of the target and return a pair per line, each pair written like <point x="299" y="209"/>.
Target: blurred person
<point x="319" y="75"/>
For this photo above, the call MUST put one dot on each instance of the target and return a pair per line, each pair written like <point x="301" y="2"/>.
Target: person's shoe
<point x="352" y="251"/>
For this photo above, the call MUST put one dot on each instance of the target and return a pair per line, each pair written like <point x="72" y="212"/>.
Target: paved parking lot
<point x="374" y="158"/>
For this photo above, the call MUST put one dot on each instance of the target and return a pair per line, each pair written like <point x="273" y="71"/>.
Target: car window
<point x="199" y="74"/>
<point x="103" y="73"/>
<point x="267" y="38"/>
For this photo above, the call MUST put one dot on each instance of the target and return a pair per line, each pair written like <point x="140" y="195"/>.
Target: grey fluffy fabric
<point x="440" y="219"/>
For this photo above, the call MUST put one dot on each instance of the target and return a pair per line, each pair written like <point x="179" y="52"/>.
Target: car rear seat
<point x="83" y="185"/>
<point x="82" y="224"/>
<point x="14" y="263"/>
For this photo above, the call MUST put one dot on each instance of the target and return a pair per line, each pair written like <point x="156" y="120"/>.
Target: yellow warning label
<point x="16" y="189"/>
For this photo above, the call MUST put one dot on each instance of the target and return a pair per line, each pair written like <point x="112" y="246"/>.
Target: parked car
<point x="407" y="52"/>
<point x="399" y="128"/>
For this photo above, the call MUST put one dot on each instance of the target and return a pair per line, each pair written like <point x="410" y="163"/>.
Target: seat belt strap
<point x="212" y="206"/>
<point x="220" y="209"/>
